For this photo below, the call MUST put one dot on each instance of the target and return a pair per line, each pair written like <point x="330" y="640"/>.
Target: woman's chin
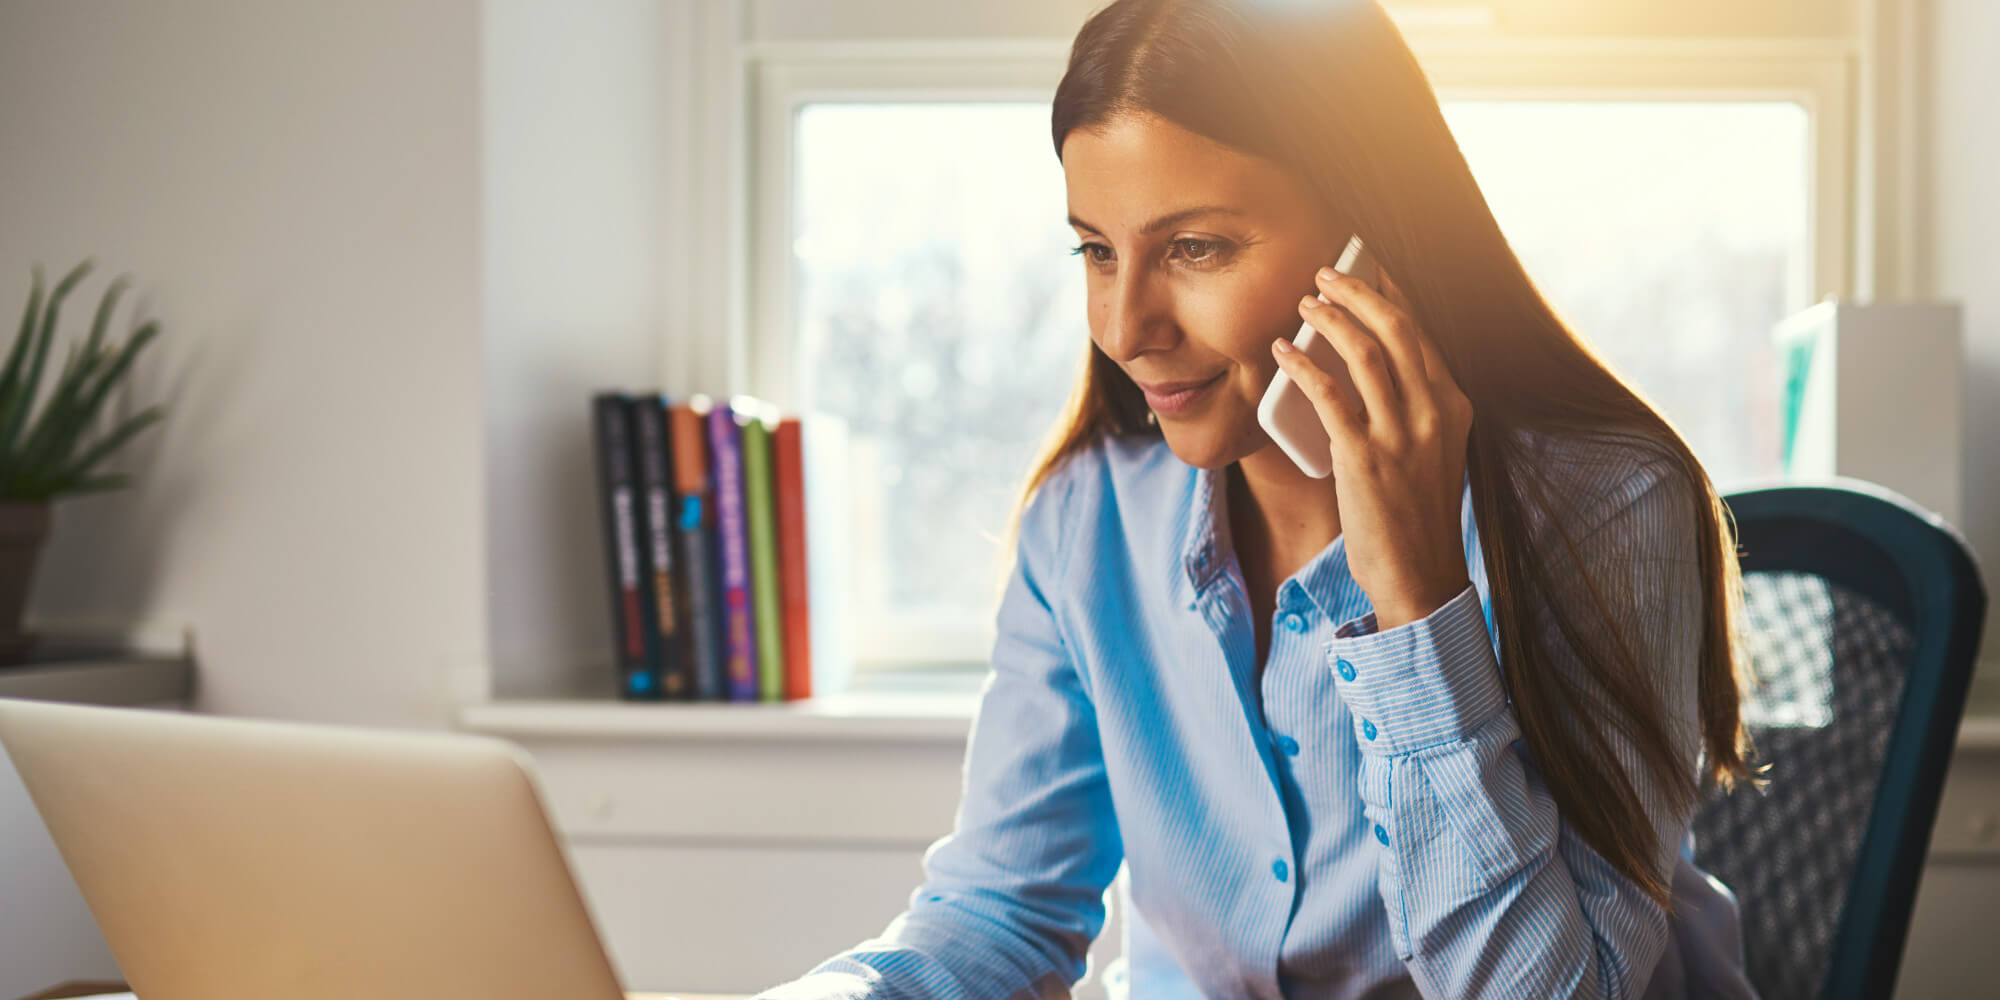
<point x="1206" y="443"/>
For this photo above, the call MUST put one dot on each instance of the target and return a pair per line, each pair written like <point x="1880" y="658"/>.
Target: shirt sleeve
<point x="1013" y="897"/>
<point x="1489" y="893"/>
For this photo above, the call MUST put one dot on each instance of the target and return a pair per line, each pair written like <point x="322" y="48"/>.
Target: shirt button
<point x="1367" y="729"/>
<point x="1295" y="621"/>
<point x="1289" y="746"/>
<point x="1381" y="834"/>
<point x="1346" y="670"/>
<point x="1279" y="869"/>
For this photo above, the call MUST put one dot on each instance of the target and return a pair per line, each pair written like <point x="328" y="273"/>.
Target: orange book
<point x="788" y="488"/>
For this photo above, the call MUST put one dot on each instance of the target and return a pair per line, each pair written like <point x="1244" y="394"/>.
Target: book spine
<point x="671" y="662"/>
<point x="725" y="443"/>
<point x="760" y="518"/>
<point x="611" y="420"/>
<point x="694" y="527"/>
<point x="788" y="475"/>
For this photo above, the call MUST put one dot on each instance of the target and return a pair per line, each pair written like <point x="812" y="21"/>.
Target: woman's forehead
<point x="1129" y="173"/>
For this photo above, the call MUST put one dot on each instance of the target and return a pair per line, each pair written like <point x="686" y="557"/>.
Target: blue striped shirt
<point x="1360" y="819"/>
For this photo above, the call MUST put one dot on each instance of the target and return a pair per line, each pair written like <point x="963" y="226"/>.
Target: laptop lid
<point x="229" y="857"/>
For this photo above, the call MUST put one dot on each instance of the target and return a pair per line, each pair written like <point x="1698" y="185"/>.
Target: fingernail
<point x="1327" y="273"/>
<point x="1282" y="345"/>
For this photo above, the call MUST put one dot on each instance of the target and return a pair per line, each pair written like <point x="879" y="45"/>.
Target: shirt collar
<point x="1323" y="582"/>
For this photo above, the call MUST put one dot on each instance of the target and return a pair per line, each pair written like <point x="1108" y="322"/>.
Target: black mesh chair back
<point x="1863" y="619"/>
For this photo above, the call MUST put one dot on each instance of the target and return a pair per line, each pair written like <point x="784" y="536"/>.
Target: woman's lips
<point x="1165" y="403"/>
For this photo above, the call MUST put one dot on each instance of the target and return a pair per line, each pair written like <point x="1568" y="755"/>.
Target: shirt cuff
<point x="1431" y="681"/>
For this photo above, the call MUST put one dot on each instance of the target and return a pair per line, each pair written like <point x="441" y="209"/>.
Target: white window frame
<point x="776" y="78"/>
<point x="786" y="76"/>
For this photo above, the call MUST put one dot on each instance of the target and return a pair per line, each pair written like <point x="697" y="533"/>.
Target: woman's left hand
<point x="1399" y="461"/>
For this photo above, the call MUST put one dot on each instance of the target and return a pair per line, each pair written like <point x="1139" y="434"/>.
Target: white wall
<point x="578" y="113"/>
<point x="392" y="252"/>
<point x="1950" y="951"/>
<point x="1964" y="253"/>
<point x="295" y="188"/>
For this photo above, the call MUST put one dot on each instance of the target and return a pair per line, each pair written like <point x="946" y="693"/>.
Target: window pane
<point x="1671" y="237"/>
<point x="939" y="313"/>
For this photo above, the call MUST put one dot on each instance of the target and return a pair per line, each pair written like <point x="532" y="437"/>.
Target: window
<point x="937" y="314"/>
<point x="1671" y="236"/>
<point x="911" y="253"/>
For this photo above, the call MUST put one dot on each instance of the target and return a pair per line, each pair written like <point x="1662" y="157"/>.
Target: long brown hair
<point x="1332" y="92"/>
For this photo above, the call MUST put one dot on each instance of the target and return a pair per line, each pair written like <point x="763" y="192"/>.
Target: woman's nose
<point x="1132" y="320"/>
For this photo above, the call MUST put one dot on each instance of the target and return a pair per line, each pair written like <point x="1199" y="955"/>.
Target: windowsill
<point x="925" y="706"/>
<point x="887" y="706"/>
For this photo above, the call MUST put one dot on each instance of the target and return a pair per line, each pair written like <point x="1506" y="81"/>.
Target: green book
<point x="761" y="513"/>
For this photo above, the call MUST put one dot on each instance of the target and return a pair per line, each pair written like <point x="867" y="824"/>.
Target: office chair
<point x="1863" y="613"/>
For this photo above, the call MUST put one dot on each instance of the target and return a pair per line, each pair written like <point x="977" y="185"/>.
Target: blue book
<point x="739" y="617"/>
<point x="695" y="529"/>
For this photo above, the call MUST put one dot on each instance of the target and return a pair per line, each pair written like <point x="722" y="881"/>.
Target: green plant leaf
<point x="55" y="426"/>
<point x="15" y="353"/>
<point x="109" y="443"/>
<point x="39" y="444"/>
<point x="79" y="414"/>
<point x="14" y="408"/>
<point x="104" y="307"/>
<point x="139" y="339"/>
<point x="49" y="440"/>
<point x="105" y="304"/>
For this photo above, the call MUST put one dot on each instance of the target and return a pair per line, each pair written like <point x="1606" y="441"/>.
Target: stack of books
<point x="721" y="520"/>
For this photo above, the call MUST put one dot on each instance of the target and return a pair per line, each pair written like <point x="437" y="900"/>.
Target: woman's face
<point x="1176" y="297"/>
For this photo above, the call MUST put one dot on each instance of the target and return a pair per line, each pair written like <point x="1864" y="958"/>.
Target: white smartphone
<point x="1285" y="412"/>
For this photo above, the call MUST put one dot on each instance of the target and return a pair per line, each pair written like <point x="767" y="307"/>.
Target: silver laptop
<point x="255" y="859"/>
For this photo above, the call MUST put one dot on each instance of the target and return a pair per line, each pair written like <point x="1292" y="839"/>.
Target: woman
<point x="1432" y="725"/>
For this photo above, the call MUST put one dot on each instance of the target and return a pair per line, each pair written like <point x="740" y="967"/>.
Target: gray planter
<point x="23" y="527"/>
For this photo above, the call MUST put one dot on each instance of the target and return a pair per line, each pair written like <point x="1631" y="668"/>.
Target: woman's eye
<point x="1202" y="252"/>
<point x="1209" y="250"/>
<point x="1089" y="251"/>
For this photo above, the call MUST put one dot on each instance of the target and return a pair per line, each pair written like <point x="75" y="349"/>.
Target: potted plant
<point x="55" y="449"/>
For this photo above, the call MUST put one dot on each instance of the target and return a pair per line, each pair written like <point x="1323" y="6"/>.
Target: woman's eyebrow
<point x="1166" y="220"/>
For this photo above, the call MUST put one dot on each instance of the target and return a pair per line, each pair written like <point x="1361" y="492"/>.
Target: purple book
<point x="739" y="632"/>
